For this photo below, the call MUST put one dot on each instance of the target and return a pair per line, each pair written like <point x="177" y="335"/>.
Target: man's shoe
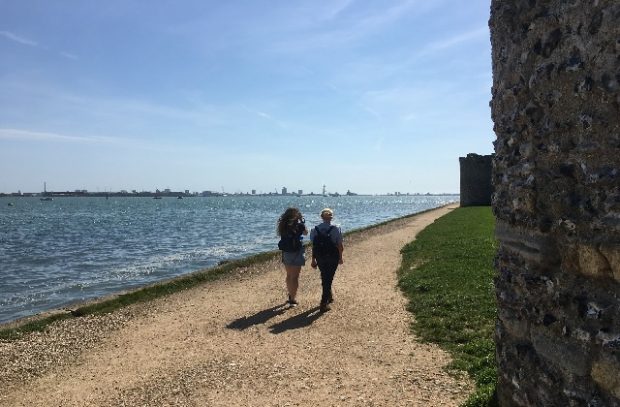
<point x="324" y="307"/>
<point x="291" y="302"/>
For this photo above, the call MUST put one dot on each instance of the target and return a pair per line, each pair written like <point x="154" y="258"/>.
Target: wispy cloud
<point x="29" y="135"/>
<point x="124" y="116"/>
<point x="410" y="103"/>
<point x="457" y="39"/>
<point x="356" y="27"/>
<point x="264" y="116"/>
<point x="336" y="8"/>
<point x="69" y="55"/>
<point x="372" y="112"/>
<point x="408" y="117"/>
<point x="25" y="41"/>
<point x="18" y="39"/>
<point x="390" y="15"/>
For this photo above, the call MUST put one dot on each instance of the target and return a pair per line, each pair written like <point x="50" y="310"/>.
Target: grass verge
<point x="447" y="274"/>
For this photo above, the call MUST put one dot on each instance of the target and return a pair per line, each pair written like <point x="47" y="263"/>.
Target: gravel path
<point x="234" y="343"/>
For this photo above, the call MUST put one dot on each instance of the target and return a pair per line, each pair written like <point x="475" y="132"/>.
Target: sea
<point x="72" y="249"/>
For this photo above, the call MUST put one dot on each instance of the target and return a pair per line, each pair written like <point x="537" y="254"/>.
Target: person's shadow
<point x="259" y="318"/>
<point x="302" y="320"/>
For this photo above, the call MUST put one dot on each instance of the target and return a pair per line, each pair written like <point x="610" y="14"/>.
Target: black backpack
<point x="289" y="243"/>
<point x="323" y="247"/>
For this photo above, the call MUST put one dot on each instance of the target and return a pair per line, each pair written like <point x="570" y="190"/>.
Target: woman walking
<point x="291" y="229"/>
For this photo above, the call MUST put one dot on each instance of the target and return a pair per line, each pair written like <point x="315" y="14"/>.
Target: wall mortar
<point x="556" y="113"/>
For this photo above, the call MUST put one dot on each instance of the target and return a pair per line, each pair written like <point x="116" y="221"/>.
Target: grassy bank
<point x="447" y="274"/>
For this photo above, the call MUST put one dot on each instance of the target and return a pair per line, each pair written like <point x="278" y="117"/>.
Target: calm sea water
<point x="72" y="249"/>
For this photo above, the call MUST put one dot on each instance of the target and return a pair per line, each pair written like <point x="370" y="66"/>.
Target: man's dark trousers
<point x="328" y="270"/>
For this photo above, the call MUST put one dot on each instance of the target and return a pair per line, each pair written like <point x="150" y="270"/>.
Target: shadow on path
<point x="298" y="321"/>
<point x="259" y="318"/>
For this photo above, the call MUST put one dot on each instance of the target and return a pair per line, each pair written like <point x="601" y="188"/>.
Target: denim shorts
<point x="297" y="258"/>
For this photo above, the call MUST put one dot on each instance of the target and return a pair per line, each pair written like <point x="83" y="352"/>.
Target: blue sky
<point x="372" y="97"/>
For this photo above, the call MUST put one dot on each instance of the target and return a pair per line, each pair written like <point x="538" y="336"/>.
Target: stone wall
<point x="476" y="186"/>
<point x="556" y="109"/>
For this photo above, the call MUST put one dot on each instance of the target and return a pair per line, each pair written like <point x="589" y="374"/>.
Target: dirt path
<point x="233" y="343"/>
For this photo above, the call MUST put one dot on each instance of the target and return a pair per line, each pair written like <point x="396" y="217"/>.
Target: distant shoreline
<point x="165" y="287"/>
<point x="187" y="195"/>
<point x="87" y="247"/>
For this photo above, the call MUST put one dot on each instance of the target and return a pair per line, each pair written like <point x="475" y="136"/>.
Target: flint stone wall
<point x="556" y="109"/>
<point x="476" y="186"/>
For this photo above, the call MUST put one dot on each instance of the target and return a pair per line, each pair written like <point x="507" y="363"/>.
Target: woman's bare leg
<point x="292" y="280"/>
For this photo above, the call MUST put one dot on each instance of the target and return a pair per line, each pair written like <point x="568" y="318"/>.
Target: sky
<point x="360" y="95"/>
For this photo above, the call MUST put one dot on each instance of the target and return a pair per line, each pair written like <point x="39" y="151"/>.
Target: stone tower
<point x="476" y="186"/>
<point x="556" y="109"/>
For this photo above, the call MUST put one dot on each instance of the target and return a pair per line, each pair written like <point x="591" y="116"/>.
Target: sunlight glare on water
<point x="72" y="249"/>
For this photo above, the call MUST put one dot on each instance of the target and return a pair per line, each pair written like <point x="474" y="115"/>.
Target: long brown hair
<point x="288" y="220"/>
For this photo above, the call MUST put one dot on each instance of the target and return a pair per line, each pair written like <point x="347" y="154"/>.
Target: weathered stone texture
<point x="476" y="186"/>
<point x="556" y="110"/>
<point x="605" y="373"/>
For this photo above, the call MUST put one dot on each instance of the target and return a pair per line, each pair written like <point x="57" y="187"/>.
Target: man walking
<point x="327" y="251"/>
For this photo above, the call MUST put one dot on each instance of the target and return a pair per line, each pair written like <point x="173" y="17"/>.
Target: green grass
<point x="447" y="274"/>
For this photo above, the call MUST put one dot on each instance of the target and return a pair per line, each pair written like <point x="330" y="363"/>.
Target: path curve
<point x="233" y="343"/>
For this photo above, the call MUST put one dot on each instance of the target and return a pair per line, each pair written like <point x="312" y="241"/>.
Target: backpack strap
<point x="329" y="231"/>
